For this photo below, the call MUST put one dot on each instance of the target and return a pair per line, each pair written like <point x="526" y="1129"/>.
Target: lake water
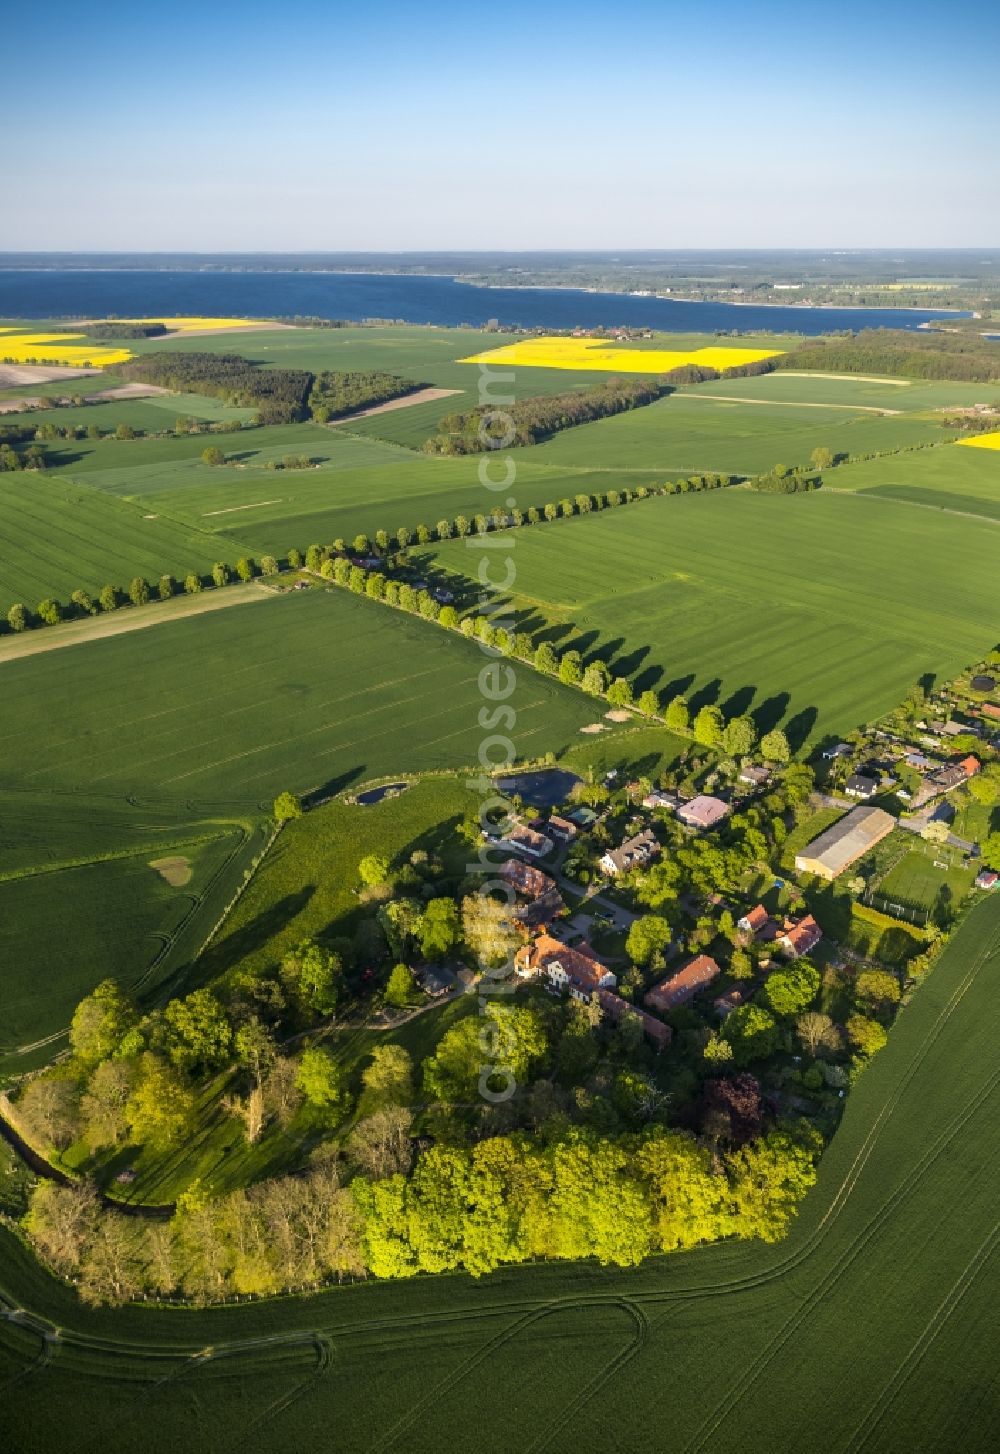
<point x="42" y="293"/>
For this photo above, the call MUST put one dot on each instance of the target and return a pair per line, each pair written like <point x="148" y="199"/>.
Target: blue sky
<point x="499" y="125"/>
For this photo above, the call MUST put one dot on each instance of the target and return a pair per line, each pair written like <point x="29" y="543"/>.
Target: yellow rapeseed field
<point x="983" y="441"/>
<point x="594" y="353"/>
<point x="59" y="349"/>
<point x="196" y="325"/>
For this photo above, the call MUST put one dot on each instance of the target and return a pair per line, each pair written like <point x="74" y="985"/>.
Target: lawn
<point x="312" y="691"/>
<point x="563" y="1357"/>
<point x="817" y="610"/>
<point x="918" y="883"/>
<point x="307" y="885"/>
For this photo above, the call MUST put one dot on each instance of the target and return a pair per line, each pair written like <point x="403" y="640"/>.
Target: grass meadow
<point x="819" y="610"/>
<point x="311" y="691"/>
<point x="560" y="1358"/>
<point x="844" y="391"/>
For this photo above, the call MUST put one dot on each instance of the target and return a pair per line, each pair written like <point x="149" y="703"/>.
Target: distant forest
<point x="931" y="355"/>
<point x="335" y="394"/>
<point x="113" y="329"/>
<point x="278" y="395"/>
<point x="535" y="419"/>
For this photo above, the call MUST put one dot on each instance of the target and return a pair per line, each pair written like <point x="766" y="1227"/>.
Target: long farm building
<point x="847" y="841"/>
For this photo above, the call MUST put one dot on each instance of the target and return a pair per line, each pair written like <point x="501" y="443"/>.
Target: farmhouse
<point x="525" y="840"/>
<point x="798" y="936"/>
<point x="578" y="972"/>
<point x="683" y="985"/>
<point x="544" y="899"/>
<point x="860" y="786"/>
<point x="633" y="853"/>
<point x="616" y="1010"/>
<point x="843" y="844"/>
<point x="703" y="812"/>
<point x="755" y="924"/>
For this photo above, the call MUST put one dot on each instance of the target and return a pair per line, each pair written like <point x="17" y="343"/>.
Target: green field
<point x="951" y="477"/>
<point x="562" y="1358"/>
<point x="821" y="609"/>
<point x="57" y="536"/>
<point x="894" y="394"/>
<point x="306" y="887"/>
<point x="312" y="691"/>
<point x="695" y="433"/>
<point x="79" y="901"/>
<point x="918" y="884"/>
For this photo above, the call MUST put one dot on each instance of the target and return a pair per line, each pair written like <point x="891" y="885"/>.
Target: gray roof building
<point x="844" y="843"/>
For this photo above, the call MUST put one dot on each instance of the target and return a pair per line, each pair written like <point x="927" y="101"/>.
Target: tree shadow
<point x="333" y="786"/>
<point x="705" y="696"/>
<point x="798" y="728"/>
<point x="737" y="704"/>
<point x="240" y="944"/>
<point x="677" y="687"/>
<point x="768" y="714"/>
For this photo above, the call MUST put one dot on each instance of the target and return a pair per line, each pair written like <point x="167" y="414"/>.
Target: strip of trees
<point x="335" y="394"/>
<point x="529" y="421"/>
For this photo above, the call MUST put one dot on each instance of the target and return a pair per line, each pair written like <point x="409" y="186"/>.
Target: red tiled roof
<point x="801" y="935"/>
<point x="616" y="1008"/>
<point x="524" y="878"/>
<point x="758" y="919"/>
<point x="970" y="766"/>
<point x="684" y="984"/>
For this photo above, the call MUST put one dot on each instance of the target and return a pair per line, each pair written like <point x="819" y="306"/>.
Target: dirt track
<point x="128" y="618"/>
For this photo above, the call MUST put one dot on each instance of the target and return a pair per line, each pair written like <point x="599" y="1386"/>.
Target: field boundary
<point x="133" y="618"/>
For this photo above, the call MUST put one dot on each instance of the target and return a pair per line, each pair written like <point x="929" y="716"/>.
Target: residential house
<point x="577" y="972"/>
<point x="918" y="761"/>
<point x="703" y="812"/>
<point x="633" y="853"/>
<point x="859" y="786"/>
<point x="990" y="709"/>
<point x="799" y="936"/>
<point x="616" y="1009"/>
<point x="678" y="988"/>
<point x="848" y="840"/>
<point x="944" y="779"/>
<point x="987" y="879"/>
<point x="562" y="829"/>
<point x="755" y="924"/>
<point x="660" y="798"/>
<point x="525" y="840"/>
<point x="842" y="749"/>
<point x="756" y="775"/>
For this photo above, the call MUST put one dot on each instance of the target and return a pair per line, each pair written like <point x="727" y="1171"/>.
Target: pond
<point x="376" y="795"/>
<point x="546" y="788"/>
